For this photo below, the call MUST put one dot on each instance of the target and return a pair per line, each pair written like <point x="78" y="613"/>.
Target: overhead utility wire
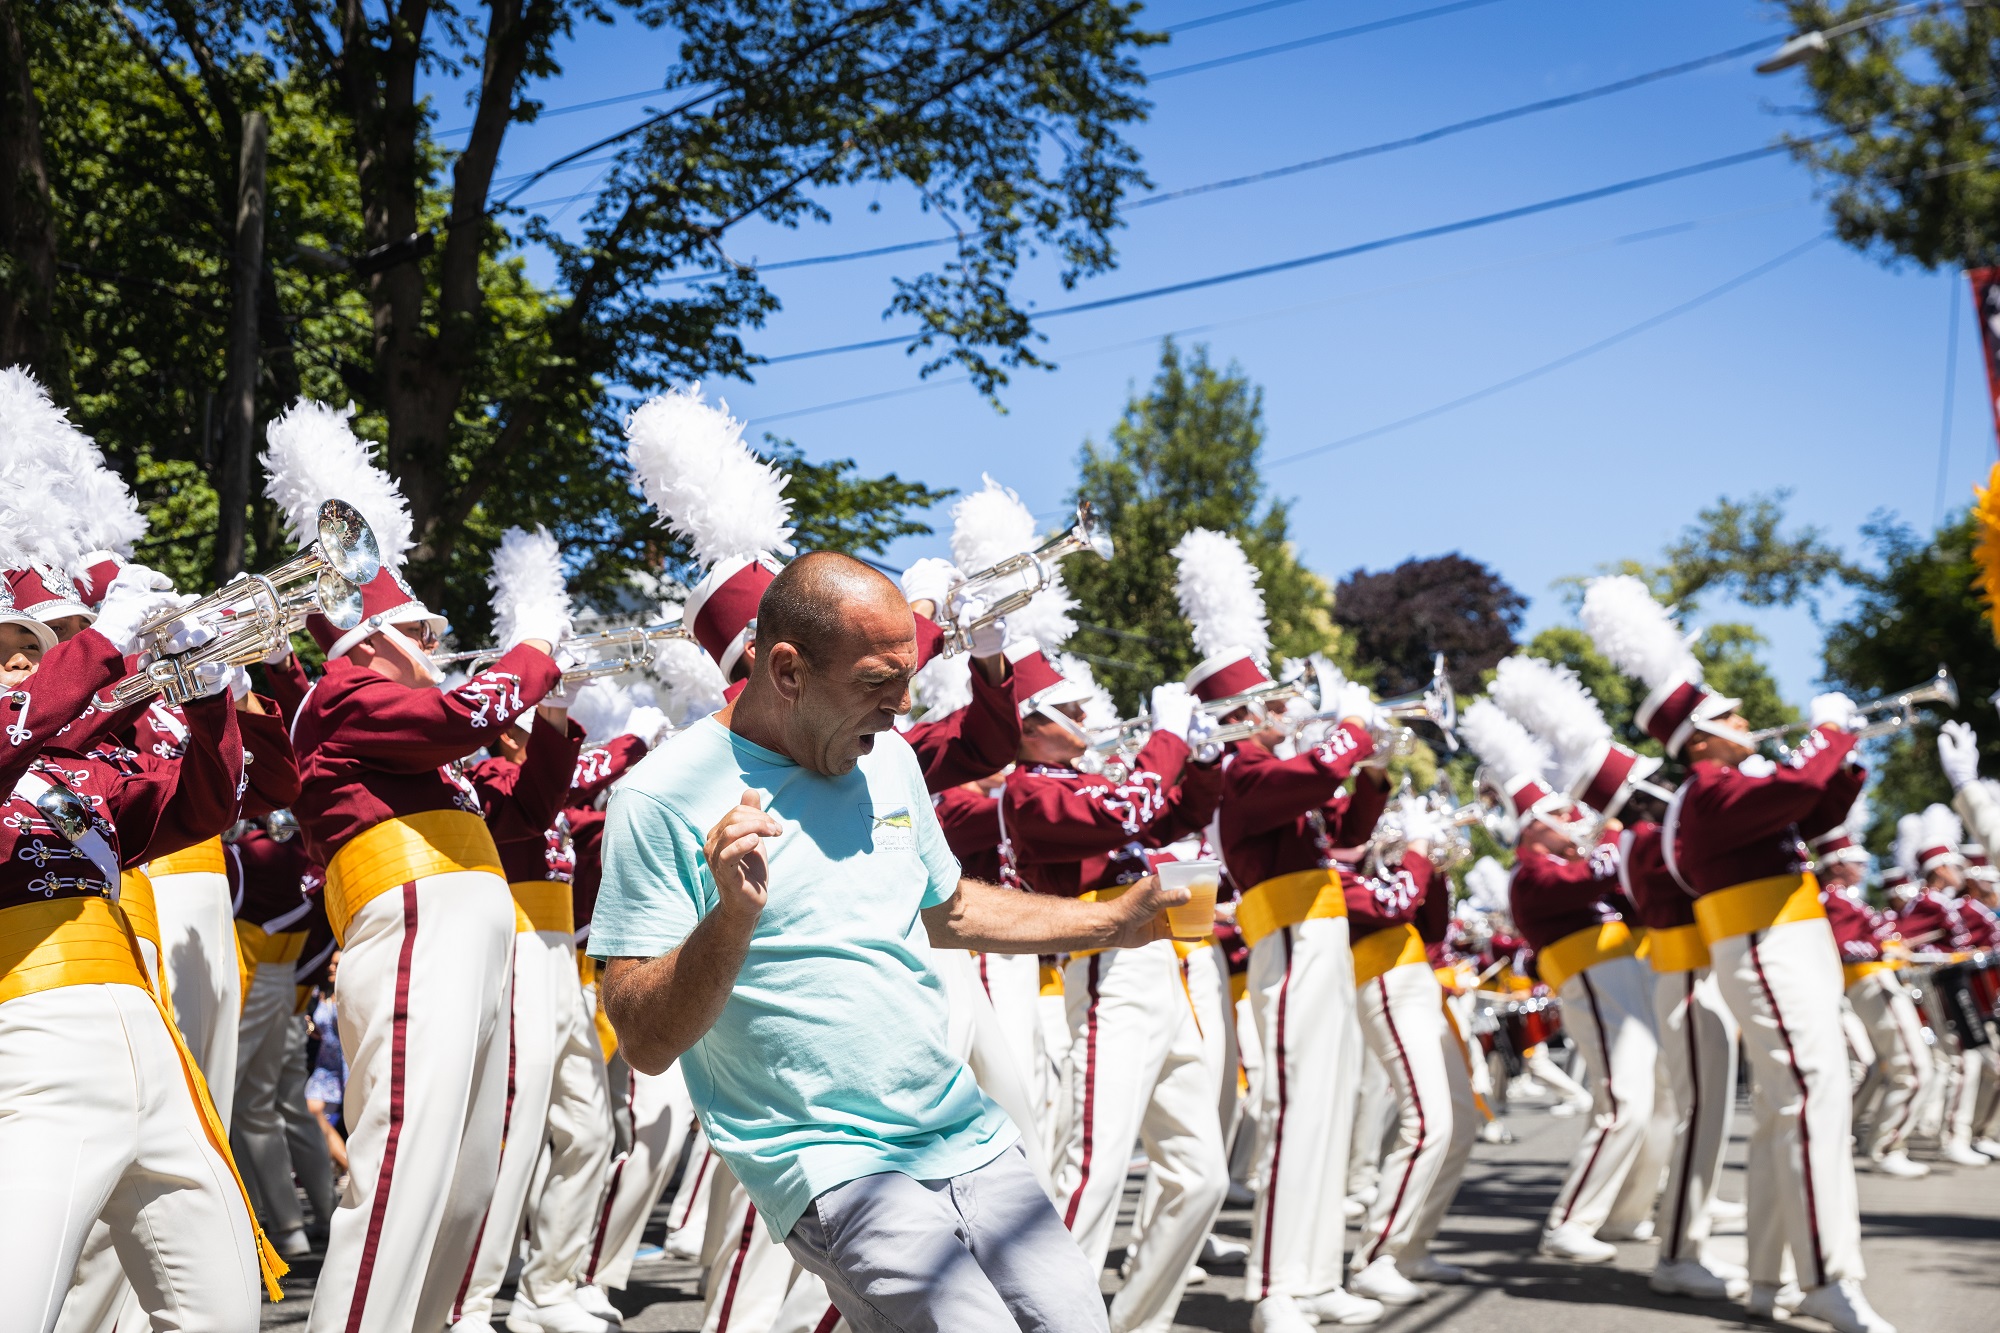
<point x="1343" y="252"/>
<point x="1228" y="14"/>
<point x="1319" y="39"/>
<point x="1312" y="164"/>
<point x="1570" y="359"/>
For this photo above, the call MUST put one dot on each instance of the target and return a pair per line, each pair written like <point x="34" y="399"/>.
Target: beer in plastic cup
<point x="1195" y="919"/>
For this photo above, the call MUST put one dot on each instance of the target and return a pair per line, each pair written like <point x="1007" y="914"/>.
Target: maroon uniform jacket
<point x="267" y="879"/>
<point x="971" y="823"/>
<point x="1286" y="815"/>
<point x="1933" y="921"/>
<point x="1551" y="898"/>
<point x="972" y="742"/>
<point x="370" y="749"/>
<point x="1730" y="828"/>
<point x="1402" y="898"/>
<point x="1069" y="833"/>
<point x="597" y="772"/>
<point x="270" y="772"/>
<point x="59" y="691"/>
<point x="1658" y="898"/>
<point x="138" y="809"/>
<point x="1857" y="932"/>
<point x="521" y="801"/>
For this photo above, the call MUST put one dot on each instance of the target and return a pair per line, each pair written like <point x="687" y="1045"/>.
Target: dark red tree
<point x="1442" y="604"/>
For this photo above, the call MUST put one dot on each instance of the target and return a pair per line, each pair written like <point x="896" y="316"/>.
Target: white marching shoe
<point x="595" y="1300"/>
<point x="1221" y="1251"/>
<point x="1990" y="1147"/>
<point x="294" y="1243"/>
<point x="1340" y="1306"/>
<point x="683" y="1244"/>
<point x="1842" y="1305"/>
<point x="1423" y="1268"/>
<point x="1577" y="1245"/>
<point x="1382" y="1281"/>
<point x="1773" y="1302"/>
<point x="1641" y="1230"/>
<point x="1688" y="1277"/>
<point x="562" y="1317"/>
<point x="1899" y="1164"/>
<point x="1279" y="1314"/>
<point x="1958" y="1154"/>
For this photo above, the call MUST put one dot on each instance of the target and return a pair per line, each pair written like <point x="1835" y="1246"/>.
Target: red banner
<point x="1986" y="304"/>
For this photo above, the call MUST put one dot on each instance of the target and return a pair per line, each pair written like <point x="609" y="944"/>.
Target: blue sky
<point x="1826" y="375"/>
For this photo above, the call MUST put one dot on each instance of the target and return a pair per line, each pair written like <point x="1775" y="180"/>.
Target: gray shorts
<point x="977" y="1252"/>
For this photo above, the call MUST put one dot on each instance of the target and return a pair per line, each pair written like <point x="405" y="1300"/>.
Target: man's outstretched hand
<point x="735" y="853"/>
<point x="1141" y="912"/>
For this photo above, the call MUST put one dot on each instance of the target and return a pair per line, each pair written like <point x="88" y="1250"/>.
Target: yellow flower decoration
<point x="1986" y="547"/>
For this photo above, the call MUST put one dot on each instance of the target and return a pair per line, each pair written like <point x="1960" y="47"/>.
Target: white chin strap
<point x="425" y="667"/>
<point x="1070" y="725"/>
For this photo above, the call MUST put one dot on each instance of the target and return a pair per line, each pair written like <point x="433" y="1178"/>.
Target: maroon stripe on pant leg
<point x="1410" y="1076"/>
<point x="399" y="1033"/>
<point x="985" y="983"/>
<point x="1270" y="1200"/>
<point x="506" y="1127"/>
<point x="1685" y="1171"/>
<point x="1805" y="1133"/>
<point x="736" y="1269"/>
<point x="1610" y="1094"/>
<point x="1089" y="1093"/>
<point x="828" y="1320"/>
<point x="701" y="1174"/>
<point x="617" y="1173"/>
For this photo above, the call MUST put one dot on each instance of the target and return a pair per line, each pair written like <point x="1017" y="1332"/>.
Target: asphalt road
<point x="1932" y="1248"/>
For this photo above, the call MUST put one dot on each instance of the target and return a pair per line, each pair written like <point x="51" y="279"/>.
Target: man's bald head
<point x="820" y="599"/>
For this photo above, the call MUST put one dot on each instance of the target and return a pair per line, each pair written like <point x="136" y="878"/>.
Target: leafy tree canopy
<point x="1451" y="604"/>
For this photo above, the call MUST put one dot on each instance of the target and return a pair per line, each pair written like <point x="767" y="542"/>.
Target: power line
<point x="1632" y="331"/>
<point x="1228" y="14"/>
<point x="1319" y="39"/>
<point x="1343" y="252"/>
<point x="1312" y="164"/>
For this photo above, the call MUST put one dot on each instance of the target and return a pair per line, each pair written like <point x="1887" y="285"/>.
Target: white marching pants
<point x="1608" y="1010"/>
<point x="1138" y="1072"/>
<point x="257" y="1135"/>
<point x="98" y="1126"/>
<point x="1374" y="1115"/>
<point x="749" y="1274"/>
<point x="658" y="1115"/>
<point x="570" y="1188"/>
<point x="1902" y="1059"/>
<point x="1784" y="986"/>
<point x="1054" y="1113"/>
<point x="543" y="1010"/>
<point x="1207" y="999"/>
<point x="1698" y="1053"/>
<point x="687" y="1215"/>
<point x="1013" y="986"/>
<point x="1970" y="1068"/>
<point x="1404" y="1024"/>
<point x="204" y="986"/>
<point x="1301" y="991"/>
<point x="978" y="1038"/>
<point x="423" y="996"/>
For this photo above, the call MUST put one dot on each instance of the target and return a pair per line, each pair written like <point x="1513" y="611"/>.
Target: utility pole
<point x="239" y="394"/>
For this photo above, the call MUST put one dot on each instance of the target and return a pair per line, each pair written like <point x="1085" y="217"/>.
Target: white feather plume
<point x="943" y="686"/>
<point x="989" y="525"/>
<point x="1098" y="710"/>
<point x="688" y="684"/>
<point x="314" y="456"/>
<point x="1858" y="817"/>
<point x="1218" y="592"/>
<point x="1638" y="634"/>
<point x="527" y="583"/>
<point x="701" y="478"/>
<point x="601" y="708"/>
<point x="59" y="501"/>
<point x="1486" y="885"/>
<point x="1503" y="744"/>
<point x="1909" y="841"/>
<point x="1551" y="701"/>
<point x="1046" y="619"/>
<point x="1942" y="827"/>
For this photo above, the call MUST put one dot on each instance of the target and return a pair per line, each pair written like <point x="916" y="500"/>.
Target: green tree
<point x="1184" y="456"/>
<point x="1736" y="548"/>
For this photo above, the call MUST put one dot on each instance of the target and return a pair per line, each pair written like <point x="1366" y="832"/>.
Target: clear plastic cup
<point x="1194" y="919"/>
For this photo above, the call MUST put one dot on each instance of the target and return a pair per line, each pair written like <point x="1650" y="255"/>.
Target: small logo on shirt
<point x="893" y="827"/>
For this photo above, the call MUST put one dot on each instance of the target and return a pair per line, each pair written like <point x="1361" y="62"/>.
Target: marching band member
<point x="1403" y="1020"/>
<point x="1734" y="838"/>
<point x="415" y="894"/>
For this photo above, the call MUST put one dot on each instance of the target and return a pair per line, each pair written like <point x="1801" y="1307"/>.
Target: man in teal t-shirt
<point x="774" y="883"/>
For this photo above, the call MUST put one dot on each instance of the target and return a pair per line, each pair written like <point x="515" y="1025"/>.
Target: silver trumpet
<point x="607" y="652"/>
<point x="1258" y="698"/>
<point x="1009" y="585"/>
<point x="1436" y="704"/>
<point x="1891" y="712"/>
<point x="253" y="615"/>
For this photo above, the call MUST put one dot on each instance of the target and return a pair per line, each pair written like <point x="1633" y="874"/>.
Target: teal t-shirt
<point x="830" y="1060"/>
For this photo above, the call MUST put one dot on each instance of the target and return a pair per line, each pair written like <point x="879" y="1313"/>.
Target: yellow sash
<point x="545" y="904"/>
<point x="1286" y="900"/>
<point x="1386" y="949"/>
<point x="135" y="899"/>
<point x="204" y="858"/>
<point x="1051" y="979"/>
<point x="1182" y="948"/>
<point x="1758" y="905"/>
<point x="1585" y="948"/>
<point x="1675" y="949"/>
<point x="89" y="942"/>
<point x="586" y="969"/>
<point x="1853" y="972"/>
<point x="396" y="851"/>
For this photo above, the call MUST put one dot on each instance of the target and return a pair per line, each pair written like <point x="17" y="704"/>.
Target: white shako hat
<point x="1640" y="637"/>
<point x="1843" y="841"/>
<point x="709" y="489"/>
<point x="314" y="456"/>
<point x="1217" y="588"/>
<point x="1940" y="833"/>
<point x="67" y="520"/>
<point x="1552" y="702"/>
<point x="1515" y="765"/>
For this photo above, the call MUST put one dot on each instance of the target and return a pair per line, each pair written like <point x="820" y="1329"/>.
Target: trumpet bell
<point x="338" y="598"/>
<point x="348" y="544"/>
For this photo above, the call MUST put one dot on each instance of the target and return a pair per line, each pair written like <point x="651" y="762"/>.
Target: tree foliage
<point x="1735" y="548"/>
<point x="1451" y="604"/>
<point x="1184" y="456"/>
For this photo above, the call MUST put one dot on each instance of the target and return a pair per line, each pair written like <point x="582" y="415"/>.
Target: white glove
<point x="930" y="580"/>
<point x="1958" y="754"/>
<point x="239" y="683"/>
<point x="647" y="723"/>
<point x="1200" y="727"/>
<point x="1834" y="709"/>
<point x="1354" y="700"/>
<point x="136" y="596"/>
<point x="989" y="640"/>
<point x="547" y="625"/>
<point x="212" y="678"/>
<point x="1421" y="824"/>
<point x="281" y="654"/>
<point x="185" y="634"/>
<point x="1173" y="708"/>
